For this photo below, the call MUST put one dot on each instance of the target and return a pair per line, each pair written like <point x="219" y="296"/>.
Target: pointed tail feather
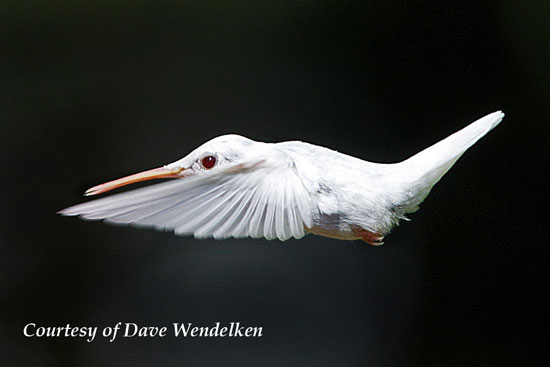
<point x="423" y="170"/>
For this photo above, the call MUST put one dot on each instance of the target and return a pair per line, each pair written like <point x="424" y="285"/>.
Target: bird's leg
<point x="369" y="237"/>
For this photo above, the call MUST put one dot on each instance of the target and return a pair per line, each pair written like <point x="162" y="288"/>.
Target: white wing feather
<point x="256" y="199"/>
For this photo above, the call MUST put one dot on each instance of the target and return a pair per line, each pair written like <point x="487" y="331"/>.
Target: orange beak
<point x="161" y="172"/>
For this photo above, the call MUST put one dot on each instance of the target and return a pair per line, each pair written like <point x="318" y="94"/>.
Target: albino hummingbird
<point x="232" y="186"/>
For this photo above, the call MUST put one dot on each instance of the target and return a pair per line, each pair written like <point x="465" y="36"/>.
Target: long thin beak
<point x="161" y="172"/>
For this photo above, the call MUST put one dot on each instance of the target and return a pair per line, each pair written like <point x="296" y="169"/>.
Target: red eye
<point x="208" y="162"/>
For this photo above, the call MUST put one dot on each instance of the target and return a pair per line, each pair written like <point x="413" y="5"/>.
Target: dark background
<point x="94" y="91"/>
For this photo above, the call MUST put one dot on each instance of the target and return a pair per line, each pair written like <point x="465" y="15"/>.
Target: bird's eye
<point x="208" y="161"/>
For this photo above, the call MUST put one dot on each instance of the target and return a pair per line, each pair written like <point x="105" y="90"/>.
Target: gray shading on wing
<point x="255" y="200"/>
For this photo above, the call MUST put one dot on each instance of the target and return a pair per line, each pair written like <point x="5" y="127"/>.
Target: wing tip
<point x="67" y="212"/>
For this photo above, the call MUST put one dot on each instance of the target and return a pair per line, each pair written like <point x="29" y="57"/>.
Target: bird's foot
<point x="369" y="237"/>
<point x="378" y="241"/>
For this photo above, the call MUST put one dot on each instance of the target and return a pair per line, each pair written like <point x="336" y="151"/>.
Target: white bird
<point x="232" y="186"/>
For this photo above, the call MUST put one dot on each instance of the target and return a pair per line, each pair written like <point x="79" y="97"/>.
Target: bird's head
<point x="220" y="151"/>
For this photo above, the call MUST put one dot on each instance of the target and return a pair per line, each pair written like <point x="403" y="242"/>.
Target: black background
<point x="94" y="91"/>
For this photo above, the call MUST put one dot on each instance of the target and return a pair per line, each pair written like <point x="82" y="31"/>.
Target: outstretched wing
<point x="254" y="199"/>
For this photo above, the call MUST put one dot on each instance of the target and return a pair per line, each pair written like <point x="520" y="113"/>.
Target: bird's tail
<point x="422" y="171"/>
